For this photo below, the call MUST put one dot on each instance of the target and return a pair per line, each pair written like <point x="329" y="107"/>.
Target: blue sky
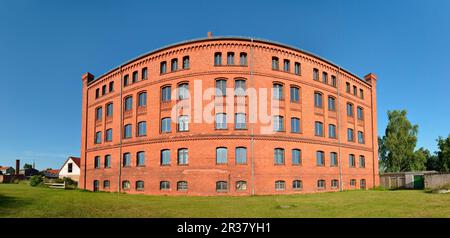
<point x="45" y="47"/>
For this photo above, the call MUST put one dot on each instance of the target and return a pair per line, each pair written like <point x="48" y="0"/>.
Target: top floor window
<point x="361" y="93"/>
<point x="135" y="76"/>
<point x="217" y="58"/>
<point x="230" y="58"/>
<point x="125" y="80"/>
<point x="243" y="59"/>
<point x="166" y="93"/>
<point x="186" y="62"/>
<point x="144" y="73"/>
<point x="333" y="81"/>
<point x="174" y="65"/>
<point x="355" y="90"/>
<point x="103" y="90"/>
<point x="163" y="67"/>
<point x="347" y="87"/>
<point x="277" y="91"/>
<point x="297" y="69"/>
<point x="324" y="77"/>
<point x="287" y="65"/>
<point x="111" y="86"/>
<point x="97" y="93"/>
<point x="275" y="64"/>
<point x="316" y="74"/>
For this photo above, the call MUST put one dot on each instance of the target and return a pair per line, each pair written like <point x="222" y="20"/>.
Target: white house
<point x="71" y="169"/>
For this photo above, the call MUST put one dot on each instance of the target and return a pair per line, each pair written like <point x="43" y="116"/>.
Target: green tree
<point x="432" y="162"/>
<point x="444" y="154"/>
<point x="396" y="147"/>
<point x="27" y="166"/>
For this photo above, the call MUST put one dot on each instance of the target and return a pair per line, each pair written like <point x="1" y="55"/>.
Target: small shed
<point x="407" y="180"/>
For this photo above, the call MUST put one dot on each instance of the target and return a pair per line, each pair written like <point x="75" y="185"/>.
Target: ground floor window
<point x="352" y="182"/>
<point x="297" y="184"/>
<point x="280" y="185"/>
<point x="126" y="185"/>
<point x="182" y="185"/>
<point x="241" y="185"/>
<point x="140" y="185"/>
<point x="96" y="185"/>
<point x="164" y="185"/>
<point x="221" y="186"/>
<point x="362" y="184"/>
<point x="335" y="183"/>
<point x="106" y="184"/>
<point x="321" y="184"/>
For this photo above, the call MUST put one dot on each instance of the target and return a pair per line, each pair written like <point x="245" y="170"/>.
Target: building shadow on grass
<point x="10" y="205"/>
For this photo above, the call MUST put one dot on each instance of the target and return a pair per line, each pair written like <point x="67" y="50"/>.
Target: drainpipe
<point x="120" y="132"/>
<point x="252" y="135"/>
<point x="341" y="183"/>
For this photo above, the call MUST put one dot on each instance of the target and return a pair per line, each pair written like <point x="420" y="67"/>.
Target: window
<point x="98" y="137"/>
<point x="362" y="184"/>
<point x="108" y="135"/>
<point x="243" y="59"/>
<point x="126" y="160"/>
<point x="144" y="73"/>
<point x="321" y="184"/>
<point x="107" y="161"/>
<point x="320" y="158"/>
<point x="297" y="69"/>
<point x="165" y="157"/>
<point x="316" y="74"/>
<point x="278" y="124"/>
<point x="106" y="184"/>
<point x="241" y="155"/>
<point x="230" y="58"/>
<point x="182" y="185"/>
<point x="135" y="76"/>
<point x="221" y="121"/>
<point x="295" y="94"/>
<point x="240" y="121"/>
<point x="128" y="103"/>
<point x="164" y="185"/>
<point x="351" y="160"/>
<point x="241" y="185"/>
<point x="275" y="64"/>
<point x="186" y="62"/>
<point x="97" y="93"/>
<point x="333" y="159"/>
<point x="183" y="91"/>
<point x="166" y="125"/>
<point x="318" y="100"/>
<point x="140" y="185"/>
<point x="279" y="156"/>
<point x="350" y="134"/>
<point x="182" y="156"/>
<point x="324" y="77"/>
<point x="361" y="93"/>
<point x="360" y="137"/>
<point x="277" y="91"/>
<point x="349" y="109"/>
<point x="239" y="87"/>
<point x="333" y="81"/>
<point x="353" y="182"/>
<point x="103" y="90"/>
<point x="218" y="58"/>
<point x="295" y="125"/>
<point x="97" y="162"/>
<point x="174" y="65"/>
<point x="334" y="183"/>
<point x="111" y="86"/>
<point x="221" y="155"/>
<point x="287" y="66"/>
<point x="96" y="185"/>
<point x="280" y="185"/>
<point x="142" y="99"/>
<point x="296" y="157"/>
<point x="297" y="184"/>
<point x="360" y="113"/>
<point x="355" y="90"/>
<point x="127" y="131"/>
<point x="140" y="158"/>
<point x="362" y="161"/>
<point x="347" y="87"/>
<point x="109" y="110"/>
<point x="163" y="67"/>
<point x="69" y="168"/>
<point x="126" y="185"/>
<point x="221" y="87"/>
<point x="318" y="130"/>
<point x="331" y="104"/>
<point x="332" y="131"/>
<point x="125" y="80"/>
<point x="183" y="123"/>
<point x="221" y="186"/>
<point x="98" y="114"/>
<point x="166" y="93"/>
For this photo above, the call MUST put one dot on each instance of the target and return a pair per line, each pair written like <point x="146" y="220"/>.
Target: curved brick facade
<point x="259" y="172"/>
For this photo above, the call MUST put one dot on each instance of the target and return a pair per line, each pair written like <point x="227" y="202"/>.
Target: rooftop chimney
<point x="17" y="166"/>
<point x="209" y="34"/>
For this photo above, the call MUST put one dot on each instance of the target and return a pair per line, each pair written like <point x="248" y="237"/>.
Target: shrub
<point x="36" y="180"/>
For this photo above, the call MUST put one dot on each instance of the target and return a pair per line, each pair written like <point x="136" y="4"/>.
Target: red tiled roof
<point x="4" y="167"/>
<point x="76" y="160"/>
<point x="52" y="171"/>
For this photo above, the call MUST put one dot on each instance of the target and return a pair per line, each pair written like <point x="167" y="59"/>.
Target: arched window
<point x="349" y="109"/>
<point x="135" y="76"/>
<point x="98" y="137"/>
<point x="239" y="87"/>
<point x="221" y="186"/>
<point x="321" y="184"/>
<point x="166" y="93"/>
<point x="297" y="68"/>
<point x="127" y="131"/>
<point x="318" y="128"/>
<point x="186" y="62"/>
<point x="164" y="185"/>
<point x="324" y="77"/>
<point x="183" y="123"/>
<point x="280" y="185"/>
<point x="295" y="125"/>
<point x="350" y="136"/>
<point x="296" y="157"/>
<point x="360" y="113"/>
<point x="108" y="135"/>
<point x="144" y="73"/>
<point x="221" y="155"/>
<point x="125" y="80"/>
<point x="221" y="87"/>
<point x="163" y="67"/>
<point x="97" y="93"/>
<point x="332" y="131"/>
<point x="318" y="100"/>
<point x="106" y="184"/>
<point x="96" y="185"/>
<point x="333" y="159"/>
<point x="183" y="156"/>
<point x="320" y="158"/>
<point x="351" y="160"/>
<point x="277" y="91"/>
<point x="240" y="121"/>
<point x="142" y="128"/>
<point x="107" y="161"/>
<point x="315" y="74"/>
<point x="183" y="91"/>
<point x="275" y="63"/>
<point x="243" y="59"/>
<point x="166" y="125"/>
<point x="241" y="155"/>
<point x="165" y="157"/>
<point x="109" y="109"/>
<point x="97" y="162"/>
<point x="362" y="184"/>
<point x="221" y="121"/>
<point x="331" y="103"/>
<point x="217" y="58"/>
<point x="287" y="65"/>
<point x="334" y="183"/>
<point x="362" y="161"/>
<point x="140" y="158"/>
<point x="279" y="156"/>
<point x="230" y="58"/>
<point x="128" y="103"/>
<point x="98" y="113"/>
<point x="295" y="94"/>
<point x="126" y="162"/>
<point x="297" y="184"/>
<point x="241" y="185"/>
<point x="142" y="99"/>
<point x="182" y="185"/>
<point x="140" y="185"/>
<point x="126" y="185"/>
<point x="278" y="123"/>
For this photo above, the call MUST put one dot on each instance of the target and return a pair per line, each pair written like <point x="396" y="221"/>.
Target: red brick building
<point x="322" y="135"/>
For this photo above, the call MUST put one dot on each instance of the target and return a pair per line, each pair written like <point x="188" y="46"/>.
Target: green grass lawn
<point x="21" y="200"/>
